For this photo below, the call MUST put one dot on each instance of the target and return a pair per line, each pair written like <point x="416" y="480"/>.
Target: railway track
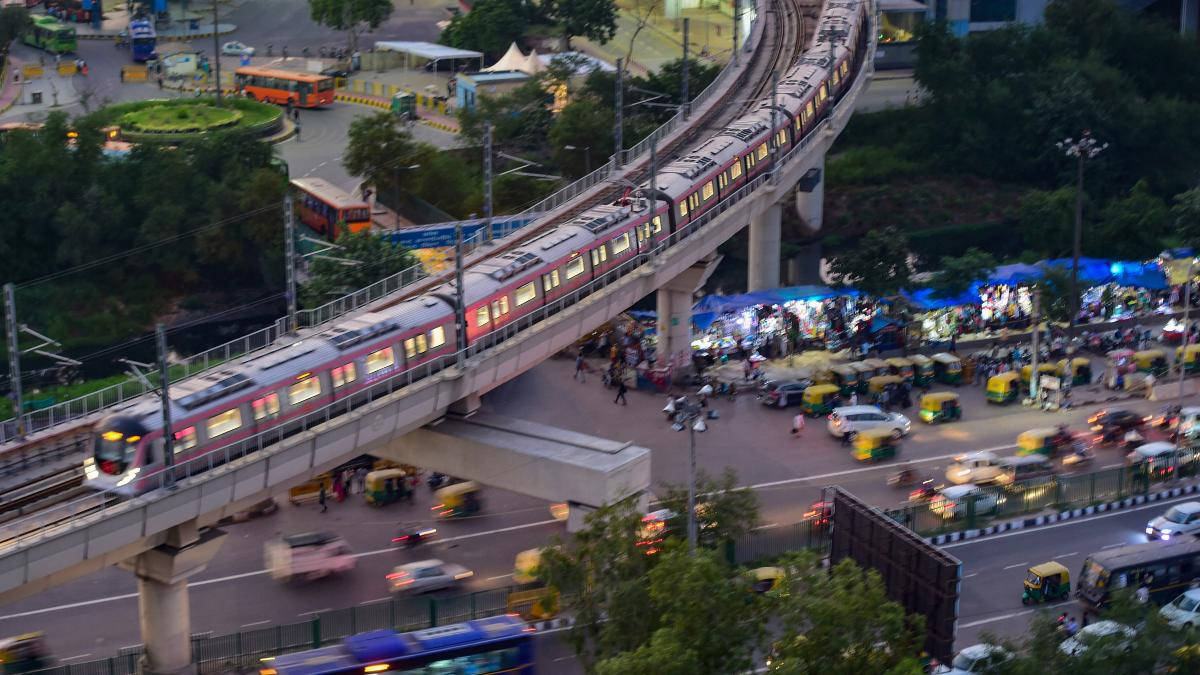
<point x="41" y="493"/>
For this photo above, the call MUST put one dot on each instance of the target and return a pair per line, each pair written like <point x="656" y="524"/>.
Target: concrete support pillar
<point x="675" y="301"/>
<point x="765" y="239"/>
<point x="163" y="608"/>
<point x="467" y="406"/>
<point x="1189" y="16"/>
<point x="810" y="197"/>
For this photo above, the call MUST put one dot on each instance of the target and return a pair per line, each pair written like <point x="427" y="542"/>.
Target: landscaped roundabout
<point x="177" y="120"/>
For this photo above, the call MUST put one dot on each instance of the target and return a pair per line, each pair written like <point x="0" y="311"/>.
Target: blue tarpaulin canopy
<point x="924" y="299"/>
<point x="708" y="308"/>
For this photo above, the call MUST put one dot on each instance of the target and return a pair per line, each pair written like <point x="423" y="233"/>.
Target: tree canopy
<point x="14" y="21"/>
<point x="593" y="19"/>
<point x="956" y="274"/>
<point x="358" y="260"/>
<point x="878" y="265"/>
<point x="490" y="27"/>
<point x="353" y="16"/>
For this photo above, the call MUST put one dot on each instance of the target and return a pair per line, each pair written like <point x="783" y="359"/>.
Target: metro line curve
<point x="276" y="389"/>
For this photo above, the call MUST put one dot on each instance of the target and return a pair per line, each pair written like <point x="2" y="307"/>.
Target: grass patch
<point x="869" y="165"/>
<point x="196" y="117"/>
<point x="179" y="117"/>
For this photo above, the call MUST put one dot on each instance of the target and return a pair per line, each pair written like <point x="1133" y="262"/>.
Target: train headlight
<point x="129" y="476"/>
<point x="89" y="468"/>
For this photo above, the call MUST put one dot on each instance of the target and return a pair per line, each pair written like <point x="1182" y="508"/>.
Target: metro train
<point x="273" y="390"/>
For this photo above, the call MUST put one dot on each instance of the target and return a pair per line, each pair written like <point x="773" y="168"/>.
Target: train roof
<point x="748" y="127"/>
<point x="558" y="242"/>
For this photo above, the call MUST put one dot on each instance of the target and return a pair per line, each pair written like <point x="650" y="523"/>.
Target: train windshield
<point x="113" y="452"/>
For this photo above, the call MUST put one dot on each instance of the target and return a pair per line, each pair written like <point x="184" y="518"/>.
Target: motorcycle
<point x="437" y="480"/>
<point x="925" y="492"/>
<point x="904" y="478"/>
<point x="411" y="536"/>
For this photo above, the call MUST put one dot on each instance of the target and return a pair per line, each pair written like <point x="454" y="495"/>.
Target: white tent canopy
<point x="428" y="50"/>
<point x="513" y="59"/>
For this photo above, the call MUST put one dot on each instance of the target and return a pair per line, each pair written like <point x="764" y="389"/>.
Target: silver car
<point x="855" y="418"/>
<point x="426" y="575"/>
<point x="1179" y="519"/>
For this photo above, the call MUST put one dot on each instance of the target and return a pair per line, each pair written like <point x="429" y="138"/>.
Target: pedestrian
<point x="297" y="132"/>
<point x="854" y="398"/>
<point x="1149" y="386"/>
<point x="621" y="389"/>
<point x="1072" y="626"/>
<point x="797" y="424"/>
<point x="160" y="79"/>
<point x="1142" y="595"/>
<point x="579" y="366"/>
<point x="747" y="368"/>
<point x="321" y="498"/>
<point x="296" y="115"/>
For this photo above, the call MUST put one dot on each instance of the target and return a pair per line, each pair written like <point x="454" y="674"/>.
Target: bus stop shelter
<point x="428" y="51"/>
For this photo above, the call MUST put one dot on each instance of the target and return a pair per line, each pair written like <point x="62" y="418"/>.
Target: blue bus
<point x="142" y="40"/>
<point x="498" y="644"/>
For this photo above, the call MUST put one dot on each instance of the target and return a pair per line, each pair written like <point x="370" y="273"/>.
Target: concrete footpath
<point x="10" y="90"/>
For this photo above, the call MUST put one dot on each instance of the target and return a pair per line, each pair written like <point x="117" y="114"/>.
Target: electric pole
<point x="460" y="310"/>
<point x="618" y="143"/>
<point x="14" y="357"/>
<point x="734" y="54"/>
<point x="487" y="181"/>
<point x="217" y="52"/>
<point x="289" y="252"/>
<point x="1037" y="320"/>
<point x="771" y="144"/>
<point x="683" y="80"/>
<point x="164" y="379"/>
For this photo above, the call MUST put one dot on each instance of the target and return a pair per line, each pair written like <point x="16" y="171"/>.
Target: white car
<point x="1188" y="424"/>
<point x="951" y="502"/>
<point x="855" y="418"/>
<point x="974" y="467"/>
<point x="1119" y="634"/>
<point x="235" y="48"/>
<point x="426" y="575"/>
<point x="981" y="658"/>
<point x="1179" y="519"/>
<point x="1184" y="611"/>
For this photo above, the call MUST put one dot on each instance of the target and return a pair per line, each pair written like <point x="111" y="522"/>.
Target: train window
<point x="837" y="79"/>
<point x="657" y="223"/>
<point x="499" y="307"/>
<point x="422" y="343"/>
<point x="185" y="439"/>
<point x="224" y="423"/>
<point x="723" y="180"/>
<point x="621" y="244"/>
<point x="481" y="316"/>
<point x="762" y="151"/>
<point x="266" y="406"/>
<point x="683" y="209"/>
<point x="526" y="293"/>
<point x="809" y="111"/>
<point x="437" y="337"/>
<point x="735" y="171"/>
<point x="379" y="360"/>
<point x="599" y="255"/>
<point x="694" y="201"/>
<point x="823" y="93"/>
<point x="303" y="390"/>
<point x="575" y="268"/>
<point x="550" y="280"/>
<point x="410" y="348"/>
<point x="750" y="161"/>
<point x="781" y="138"/>
<point x="707" y="191"/>
<point x="343" y="375"/>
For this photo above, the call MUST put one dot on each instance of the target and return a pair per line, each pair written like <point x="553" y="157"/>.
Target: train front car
<point x="118" y="447"/>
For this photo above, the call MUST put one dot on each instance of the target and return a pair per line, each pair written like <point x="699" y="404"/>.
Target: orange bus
<point x="321" y="205"/>
<point x="270" y="85"/>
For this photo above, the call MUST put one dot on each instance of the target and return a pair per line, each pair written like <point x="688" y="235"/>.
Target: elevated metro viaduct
<point x="165" y="536"/>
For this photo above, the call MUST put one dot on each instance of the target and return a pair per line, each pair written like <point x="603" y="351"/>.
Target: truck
<point x="307" y="556"/>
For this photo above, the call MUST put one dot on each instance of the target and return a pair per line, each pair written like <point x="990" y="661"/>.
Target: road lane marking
<point x="972" y="574"/>
<point x="315" y="611"/>
<point x="564" y="658"/>
<point x="1112" y="466"/>
<point x="1011" y="615"/>
<point x="1073" y="521"/>
<point x="502" y="576"/>
<point x="1020" y="564"/>
<point x="1120" y="543"/>
<point x="1065" y="555"/>
<point x="255" y="623"/>
<point x="245" y="575"/>
<point x="383" y="599"/>
<point x="835" y="474"/>
<point x="72" y="658"/>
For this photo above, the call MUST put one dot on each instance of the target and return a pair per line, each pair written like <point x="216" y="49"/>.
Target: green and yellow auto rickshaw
<point x="902" y="367"/>
<point x="875" y="445"/>
<point x="768" y="579"/>
<point x="24" y="654"/>
<point x="1151" y="361"/>
<point x="845" y="377"/>
<point x="947" y="369"/>
<point x="940" y="406"/>
<point x="1043" y="369"/>
<point x="1003" y="388"/>
<point x="1047" y="582"/>
<point x="864" y="373"/>
<point x="922" y="370"/>
<point x="1046" y="441"/>
<point x="386" y="486"/>
<point x="1077" y="371"/>
<point x="876" y="385"/>
<point x="458" y="500"/>
<point x="1189" y="356"/>
<point x="821" y="399"/>
<point x="878" y="367"/>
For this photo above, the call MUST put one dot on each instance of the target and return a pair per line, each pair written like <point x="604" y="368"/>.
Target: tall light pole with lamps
<point x="1087" y="147"/>
<point x="1187" y="306"/>
<point x="688" y="414"/>
<point x="412" y="167"/>
<point x="587" y="156"/>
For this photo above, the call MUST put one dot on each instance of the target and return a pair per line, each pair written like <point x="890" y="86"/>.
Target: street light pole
<point x="690" y="414"/>
<point x="487" y="181"/>
<point x="1037" y="325"/>
<point x="618" y="142"/>
<point x="1187" y="306"/>
<point x="1084" y="149"/>
<point x="734" y="53"/>
<point x="683" y="80"/>
<point x="14" y="357"/>
<point x="217" y="52"/>
<point x="289" y="255"/>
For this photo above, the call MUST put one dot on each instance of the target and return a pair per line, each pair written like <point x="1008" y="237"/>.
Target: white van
<point x="1024" y="467"/>
<point x="974" y="467"/>
<point x="308" y="556"/>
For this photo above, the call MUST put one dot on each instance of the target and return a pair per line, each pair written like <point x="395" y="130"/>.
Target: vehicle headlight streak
<point x="129" y="476"/>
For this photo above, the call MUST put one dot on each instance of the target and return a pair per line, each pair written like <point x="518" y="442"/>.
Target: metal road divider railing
<point x="244" y="650"/>
<point x="38" y="524"/>
<point x="61" y="413"/>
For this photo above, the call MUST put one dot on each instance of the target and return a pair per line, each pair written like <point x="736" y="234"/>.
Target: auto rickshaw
<point x="878" y="367"/>
<point x="767" y="579"/>
<point x="455" y="501"/>
<point x="864" y="373"/>
<point x="387" y="486"/>
<point x="922" y="370"/>
<point x="1047" y="441"/>
<point x="1151" y="361"/>
<point x="1043" y="369"/>
<point x="1189" y="356"/>
<point x="845" y="377"/>
<point x="1002" y="388"/>
<point x="902" y="367"/>
<point x="940" y="407"/>
<point x="875" y="445"/>
<point x="1049" y="581"/>
<point x="820" y="399"/>
<point x="525" y="566"/>
<point x="24" y="654"/>
<point x="947" y="368"/>
<point x="877" y="384"/>
<point x="1077" y="371"/>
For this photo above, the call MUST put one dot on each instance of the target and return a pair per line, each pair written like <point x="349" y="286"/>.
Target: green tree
<point x="352" y="16"/>
<point x="595" y="20"/>
<point x="380" y="150"/>
<point x="724" y="511"/>
<point x="1185" y="215"/>
<point x="490" y="27"/>
<point x="709" y="620"/>
<point x="878" y="265"/>
<point x="520" y="119"/>
<point x="376" y="258"/>
<point x="1046" y="221"/>
<point x="583" y="123"/>
<point x="956" y="275"/>
<point x="1130" y="227"/>
<point x="1055" y="287"/>
<point x="14" y="21"/>
<point x="841" y="622"/>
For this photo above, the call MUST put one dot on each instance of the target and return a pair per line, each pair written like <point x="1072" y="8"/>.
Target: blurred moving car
<point x="856" y="418"/>
<point x="235" y="48"/>
<point x="1179" y="519"/>
<point x="951" y="502"/>
<point x="413" y="534"/>
<point x="782" y="393"/>
<point x="980" y="658"/>
<point x="311" y="555"/>
<point x="1113" y="424"/>
<point x="1184" y="611"/>
<point x="426" y="575"/>
<point x="1102" y="632"/>
<point x="978" y="467"/>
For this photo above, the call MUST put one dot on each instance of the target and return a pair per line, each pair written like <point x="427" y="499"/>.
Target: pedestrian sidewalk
<point x="187" y="26"/>
<point x="378" y="91"/>
<point x="10" y="88"/>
